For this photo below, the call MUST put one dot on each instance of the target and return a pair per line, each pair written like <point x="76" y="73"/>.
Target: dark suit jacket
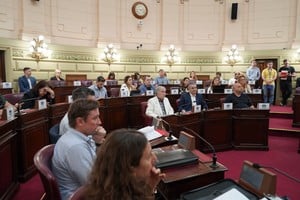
<point x="185" y="102"/>
<point x="53" y="78"/>
<point x="24" y="85"/>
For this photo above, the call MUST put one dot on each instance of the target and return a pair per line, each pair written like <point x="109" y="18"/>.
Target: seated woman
<point x="41" y="90"/>
<point x="111" y="76"/>
<point x="127" y="86"/>
<point x="215" y="83"/>
<point x="124" y="168"/>
<point x="57" y="76"/>
<point x="137" y="81"/>
<point x="4" y="104"/>
<point x="184" y="84"/>
<point x="244" y="83"/>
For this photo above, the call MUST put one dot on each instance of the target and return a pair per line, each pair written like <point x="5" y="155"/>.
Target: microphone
<point x="214" y="164"/>
<point x="24" y="101"/>
<point x="257" y="166"/>
<point x="169" y="138"/>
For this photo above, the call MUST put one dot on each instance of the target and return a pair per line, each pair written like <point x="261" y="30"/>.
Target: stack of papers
<point x="150" y="133"/>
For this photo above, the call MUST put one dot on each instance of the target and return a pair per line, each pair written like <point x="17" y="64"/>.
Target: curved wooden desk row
<point x="225" y="129"/>
<point x="20" y="139"/>
<point x="126" y="111"/>
<point x="61" y="93"/>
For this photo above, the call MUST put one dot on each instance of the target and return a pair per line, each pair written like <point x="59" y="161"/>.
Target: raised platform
<point x="280" y="123"/>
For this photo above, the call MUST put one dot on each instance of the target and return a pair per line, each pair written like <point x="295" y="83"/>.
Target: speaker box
<point x="234" y="9"/>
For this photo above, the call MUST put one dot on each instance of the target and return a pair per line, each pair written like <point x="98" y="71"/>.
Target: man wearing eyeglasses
<point x="190" y="99"/>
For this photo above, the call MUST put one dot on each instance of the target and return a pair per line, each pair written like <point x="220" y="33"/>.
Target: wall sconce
<point x="38" y="48"/>
<point x="233" y="56"/>
<point x="110" y="54"/>
<point x="171" y="57"/>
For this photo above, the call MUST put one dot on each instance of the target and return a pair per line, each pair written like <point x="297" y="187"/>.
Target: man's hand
<point x="99" y="135"/>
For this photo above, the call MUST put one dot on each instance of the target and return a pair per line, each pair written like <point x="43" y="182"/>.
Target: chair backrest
<point x="115" y="92"/>
<point x="13" y="98"/>
<point x="42" y="161"/>
<point x="54" y="134"/>
<point x="78" y="194"/>
<point x="147" y="120"/>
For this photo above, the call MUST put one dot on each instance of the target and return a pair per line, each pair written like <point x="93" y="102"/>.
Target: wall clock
<point x="139" y="10"/>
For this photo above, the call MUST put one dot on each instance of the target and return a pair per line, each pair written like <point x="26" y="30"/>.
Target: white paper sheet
<point x="232" y="194"/>
<point x="150" y="132"/>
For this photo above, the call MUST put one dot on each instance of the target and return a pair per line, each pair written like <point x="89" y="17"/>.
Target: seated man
<point x="159" y="105"/>
<point x="238" y="98"/>
<point x="190" y="99"/>
<point x="75" y="151"/>
<point x="146" y="86"/>
<point x="99" y="89"/>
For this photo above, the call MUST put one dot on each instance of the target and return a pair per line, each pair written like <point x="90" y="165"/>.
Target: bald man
<point x="238" y="99"/>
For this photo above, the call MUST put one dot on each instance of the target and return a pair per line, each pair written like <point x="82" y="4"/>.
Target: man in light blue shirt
<point x="75" y="151"/>
<point x="161" y="79"/>
<point x="99" y="89"/>
<point x="253" y="73"/>
<point x="146" y="86"/>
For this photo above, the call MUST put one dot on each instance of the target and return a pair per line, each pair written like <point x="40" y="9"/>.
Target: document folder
<point x="173" y="158"/>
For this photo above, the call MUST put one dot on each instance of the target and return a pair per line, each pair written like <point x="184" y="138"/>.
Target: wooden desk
<point x="32" y="129"/>
<point x="217" y="130"/>
<point x="250" y="129"/>
<point x="5" y="91"/>
<point x="225" y="129"/>
<point x="62" y="92"/>
<point x="8" y="156"/>
<point x="214" y="99"/>
<point x="296" y="108"/>
<point x="57" y="112"/>
<point x="178" y="122"/>
<point x="183" y="179"/>
<point x="124" y="112"/>
<point x="113" y="113"/>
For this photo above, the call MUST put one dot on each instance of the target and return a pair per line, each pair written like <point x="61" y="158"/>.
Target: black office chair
<point x="54" y="134"/>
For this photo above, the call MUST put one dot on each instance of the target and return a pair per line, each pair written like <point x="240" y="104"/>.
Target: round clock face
<point x="139" y="10"/>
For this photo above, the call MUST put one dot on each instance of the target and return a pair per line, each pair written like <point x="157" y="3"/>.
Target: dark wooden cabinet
<point x="250" y="129"/>
<point x="8" y="154"/>
<point x="57" y="112"/>
<point x="296" y="109"/>
<point x="32" y="128"/>
<point x="217" y="129"/>
<point x="113" y="113"/>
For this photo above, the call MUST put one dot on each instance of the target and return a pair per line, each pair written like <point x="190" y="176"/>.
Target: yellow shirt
<point x="269" y="75"/>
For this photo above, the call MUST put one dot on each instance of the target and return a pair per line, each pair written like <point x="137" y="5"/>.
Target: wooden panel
<point x="250" y="129"/>
<point x="57" y="112"/>
<point x="135" y="118"/>
<point x="62" y="93"/>
<point x="296" y="108"/>
<point x="75" y="77"/>
<point x="5" y="91"/>
<point x="113" y="113"/>
<point x="217" y="129"/>
<point x="32" y="129"/>
<point x="8" y="154"/>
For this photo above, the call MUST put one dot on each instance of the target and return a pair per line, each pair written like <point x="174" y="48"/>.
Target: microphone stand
<point x="214" y="164"/>
<point x="257" y="166"/>
<point x="169" y="138"/>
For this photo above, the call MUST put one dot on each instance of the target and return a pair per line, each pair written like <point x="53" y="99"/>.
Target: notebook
<point x="174" y="158"/>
